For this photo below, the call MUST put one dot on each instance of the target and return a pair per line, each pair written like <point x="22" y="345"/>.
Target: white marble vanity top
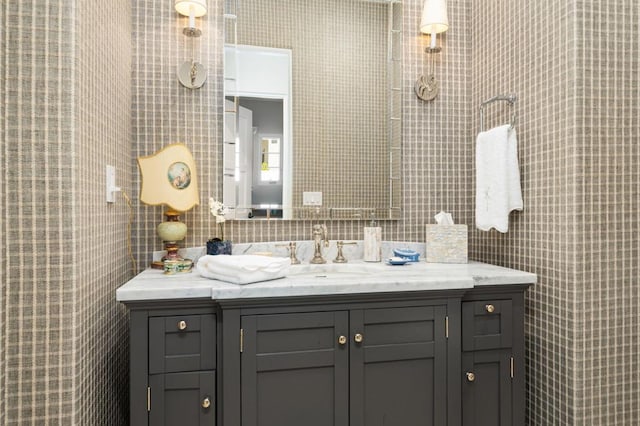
<point x="314" y="280"/>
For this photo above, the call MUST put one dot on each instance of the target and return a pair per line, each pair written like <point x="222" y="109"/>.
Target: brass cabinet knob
<point x="358" y="338"/>
<point x="182" y="325"/>
<point x="471" y="377"/>
<point x="206" y="403"/>
<point x="342" y="340"/>
<point x="490" y="308"/>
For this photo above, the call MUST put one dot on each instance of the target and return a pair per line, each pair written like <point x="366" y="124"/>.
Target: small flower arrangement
<point x="218" y="245"/>
<point x="218" y="210"/>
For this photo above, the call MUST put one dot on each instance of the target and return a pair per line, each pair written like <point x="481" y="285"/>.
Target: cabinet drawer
<point x="487" y="324"/>
<point x="182" y="343"/>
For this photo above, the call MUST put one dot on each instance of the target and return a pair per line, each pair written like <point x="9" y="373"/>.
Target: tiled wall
<point x="39" y="239"/>
<point x="574" y="68"/>
<point x="66" y="84"/>
<point x="436" y="149"/>
<point x="103" y="136"/>
<point x="3" y="202"/>
<point x="608" y="238"/>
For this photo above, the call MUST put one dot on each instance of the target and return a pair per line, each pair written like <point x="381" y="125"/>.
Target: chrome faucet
<point x="319" y="234"/>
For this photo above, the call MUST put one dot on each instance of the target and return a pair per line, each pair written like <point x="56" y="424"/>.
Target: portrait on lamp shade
<point x="179" y="175"/>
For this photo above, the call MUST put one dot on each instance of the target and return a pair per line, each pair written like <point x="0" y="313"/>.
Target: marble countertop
<point x="329" y="279"/>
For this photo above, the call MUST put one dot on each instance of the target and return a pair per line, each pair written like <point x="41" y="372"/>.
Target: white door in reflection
<point x="260" y="90"/>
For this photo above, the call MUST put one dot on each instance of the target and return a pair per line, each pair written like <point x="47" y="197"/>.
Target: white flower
<point x="218" y="210"/>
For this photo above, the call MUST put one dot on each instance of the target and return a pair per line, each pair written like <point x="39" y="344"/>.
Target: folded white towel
<point x="498" y="189"/>
<point x="243" y="269"/>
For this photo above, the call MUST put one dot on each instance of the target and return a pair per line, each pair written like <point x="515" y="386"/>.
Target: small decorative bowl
<point x="177" y="266"/>
<point x="408" y="254"/>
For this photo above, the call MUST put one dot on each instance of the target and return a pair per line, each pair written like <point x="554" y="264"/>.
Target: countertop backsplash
<point x="304" y="250"/>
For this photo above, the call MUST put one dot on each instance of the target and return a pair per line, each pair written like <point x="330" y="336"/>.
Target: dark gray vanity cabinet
<point x="420" y="358"/>
<point x="492" y="358"/>
<point x="173" y="364"/>
<point x="357" y="367"/>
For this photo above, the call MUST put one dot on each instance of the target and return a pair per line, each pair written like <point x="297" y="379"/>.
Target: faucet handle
<point x="340" y="257"/>
<point x="292" y="252"/>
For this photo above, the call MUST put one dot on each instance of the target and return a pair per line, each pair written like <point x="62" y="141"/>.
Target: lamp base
<point x="171" y="231"/>
<point x="172" y="254"/>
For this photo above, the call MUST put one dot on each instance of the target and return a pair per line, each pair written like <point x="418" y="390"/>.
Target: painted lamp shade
<point x="169" y="178"/>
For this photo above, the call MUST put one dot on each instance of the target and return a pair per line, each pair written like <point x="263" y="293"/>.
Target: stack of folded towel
<point x="243" y="269"/>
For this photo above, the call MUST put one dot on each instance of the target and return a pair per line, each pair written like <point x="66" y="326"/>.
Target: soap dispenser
<point x="372" y="241"/>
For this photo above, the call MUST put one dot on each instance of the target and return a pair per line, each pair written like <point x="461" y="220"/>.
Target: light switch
<point x="111" y="184"/>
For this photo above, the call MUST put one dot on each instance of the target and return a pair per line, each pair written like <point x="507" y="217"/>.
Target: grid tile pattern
<point x="38" y="304"/>
<point x="3" y="216"/>
<point x="608" y="244"/>
<point x="66" y="78"/>
<point x="578" y="130"/>
<point x="103" y="136"/>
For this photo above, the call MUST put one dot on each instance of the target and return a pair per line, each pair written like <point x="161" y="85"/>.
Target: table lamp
<point x="169" y="178"/>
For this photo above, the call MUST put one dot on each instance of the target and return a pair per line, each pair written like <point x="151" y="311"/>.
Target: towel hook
<point x="511" y="99"/>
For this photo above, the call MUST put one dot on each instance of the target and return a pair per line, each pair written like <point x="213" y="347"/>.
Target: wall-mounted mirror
<point x="312" y="109"/>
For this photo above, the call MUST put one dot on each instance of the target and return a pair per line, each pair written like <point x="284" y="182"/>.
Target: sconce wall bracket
<point x="192" y="75"/>
<point x="427" y="87"/>
<point x="191" y="32"/>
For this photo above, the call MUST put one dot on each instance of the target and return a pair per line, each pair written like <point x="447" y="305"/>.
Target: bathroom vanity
<point x="357" y="344"/>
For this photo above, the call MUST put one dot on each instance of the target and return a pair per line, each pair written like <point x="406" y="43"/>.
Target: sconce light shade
<point x="434" y="17"/>
<point x="184" y="7"/>
<point x="169" y="178"/>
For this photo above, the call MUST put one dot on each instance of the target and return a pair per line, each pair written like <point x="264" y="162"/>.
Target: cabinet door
<point x="487" y="388"/>
<point x="398" y="366"/>
<point x="182" y="399"/>
<point x="295" y="369"/>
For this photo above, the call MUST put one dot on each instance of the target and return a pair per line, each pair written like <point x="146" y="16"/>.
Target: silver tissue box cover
<point x="446" y="243"/>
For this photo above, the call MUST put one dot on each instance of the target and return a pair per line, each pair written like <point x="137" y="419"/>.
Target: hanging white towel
<point x="498" y="189"/>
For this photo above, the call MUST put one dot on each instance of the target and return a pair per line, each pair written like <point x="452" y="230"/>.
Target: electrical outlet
<point x="312" y="198"/>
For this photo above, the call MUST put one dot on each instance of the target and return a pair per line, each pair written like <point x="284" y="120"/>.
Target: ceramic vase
<point x="217" y="246"/>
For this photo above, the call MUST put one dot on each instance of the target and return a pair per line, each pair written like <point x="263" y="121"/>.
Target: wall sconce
<point x="169" y="178"/>
<point x="434" y="20"/>
<point x="191" y="74"/>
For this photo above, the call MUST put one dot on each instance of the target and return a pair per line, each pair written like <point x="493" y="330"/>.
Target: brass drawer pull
<point x="358" y="338"/>
<point x="206" y="403"/>
<point x="471" y="377"/>
<point x="490" y="308"/>
<point x="342" y="340"/>
<point x="182" y="325"/>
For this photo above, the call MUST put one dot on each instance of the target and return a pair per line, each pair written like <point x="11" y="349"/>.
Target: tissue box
<point x="446" y="243"/>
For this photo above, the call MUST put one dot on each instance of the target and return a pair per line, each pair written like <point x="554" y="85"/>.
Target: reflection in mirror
<point x="312" y="106"/>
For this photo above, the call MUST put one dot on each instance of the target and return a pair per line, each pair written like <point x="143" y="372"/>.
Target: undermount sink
<point x="334" y="270"/>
